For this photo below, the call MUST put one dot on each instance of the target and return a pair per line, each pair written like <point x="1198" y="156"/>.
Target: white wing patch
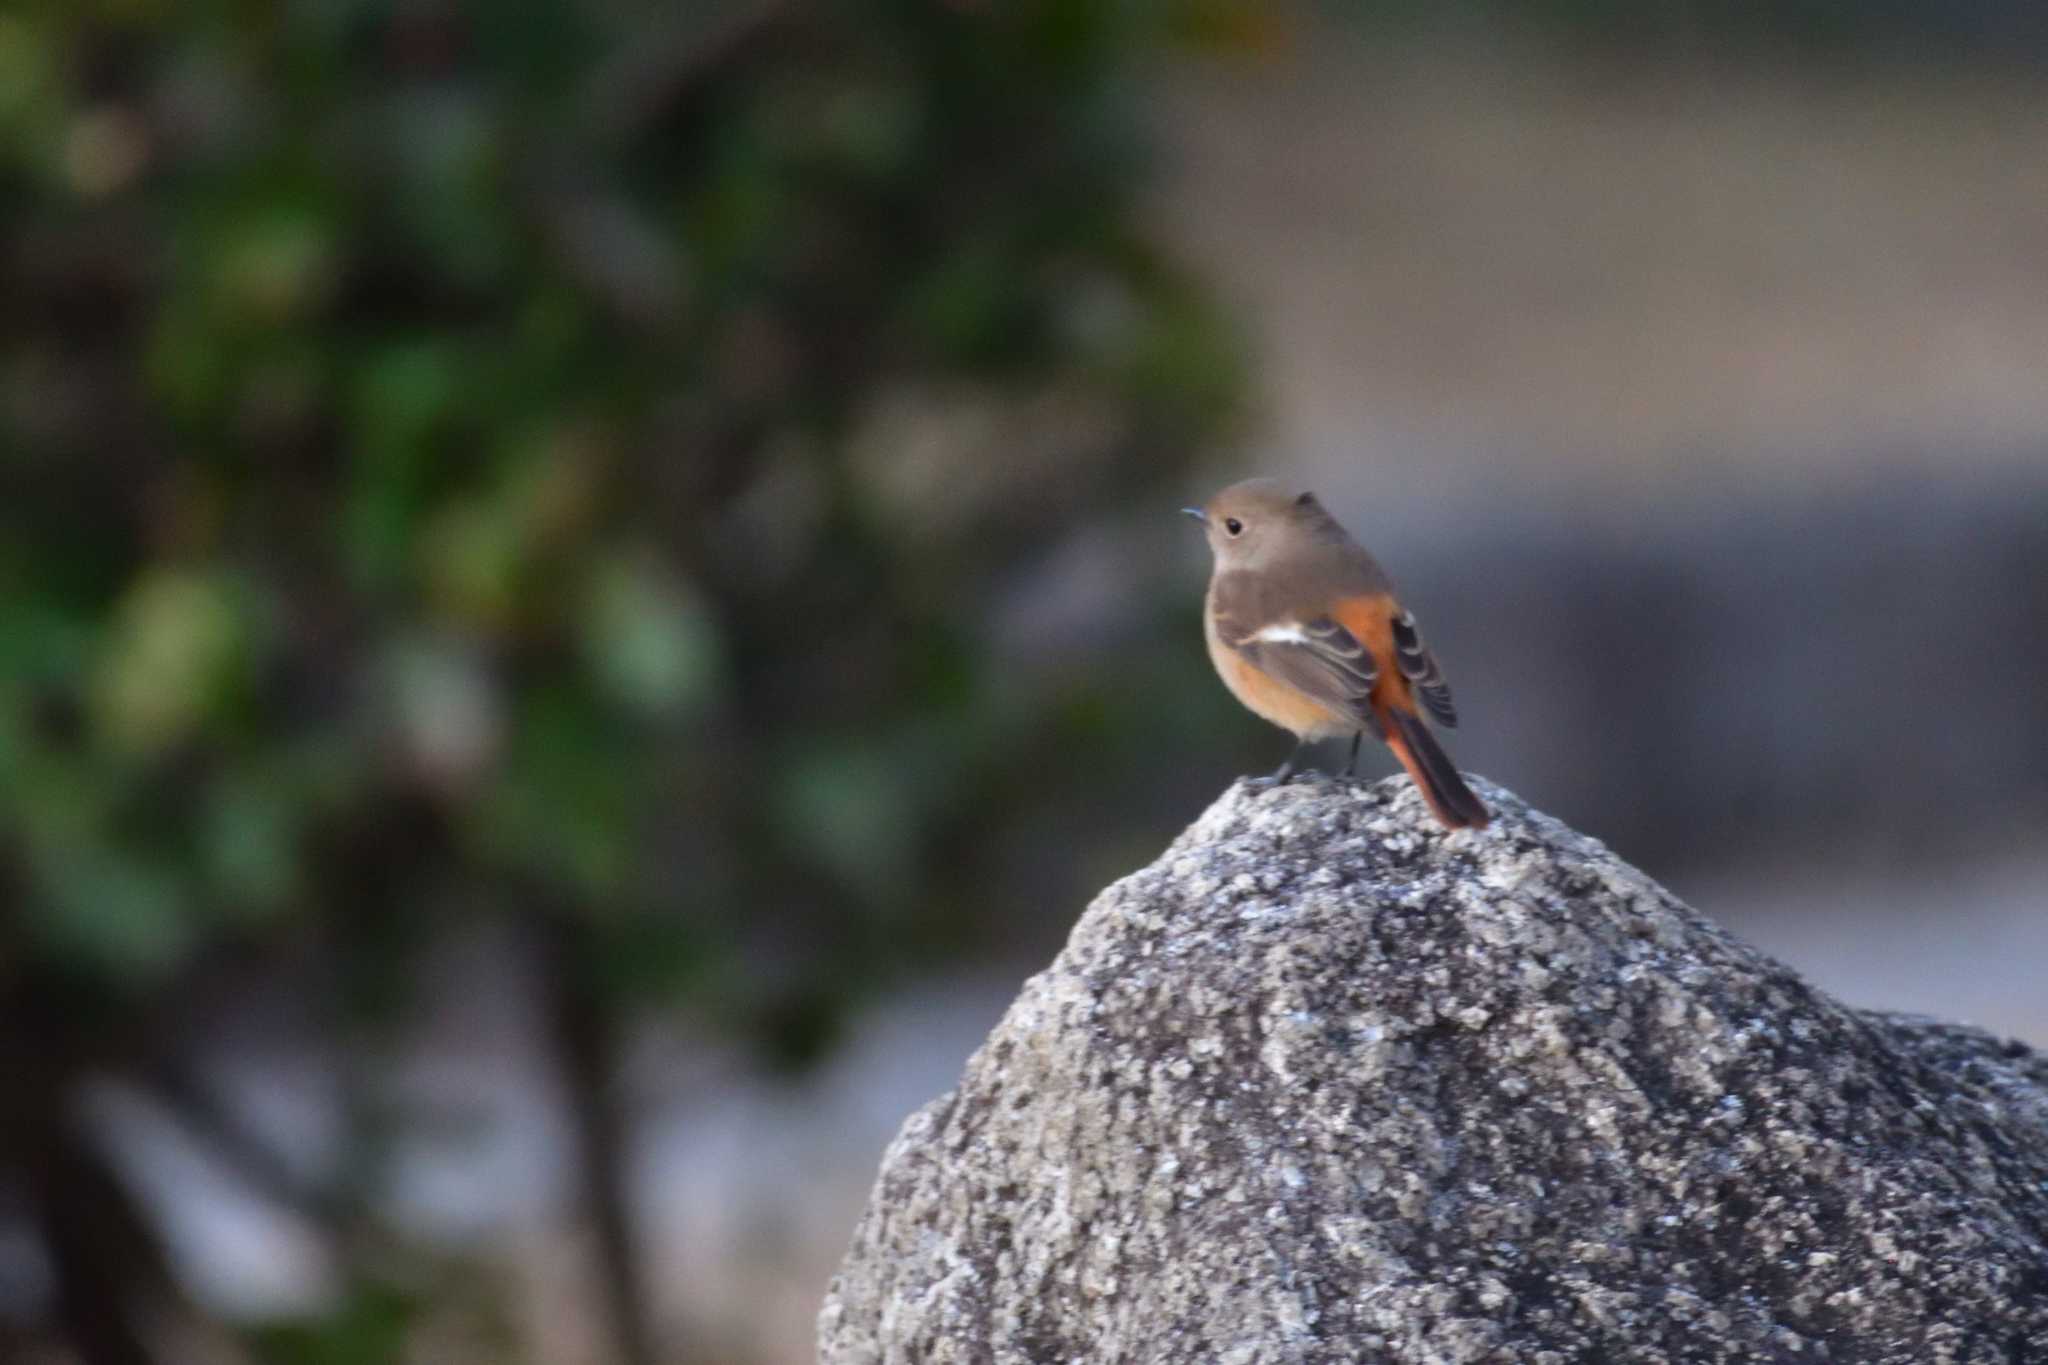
<point x="1282" y="633"/>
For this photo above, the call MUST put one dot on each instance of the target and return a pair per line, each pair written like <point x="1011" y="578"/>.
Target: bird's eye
<point x="1233" y="525"/>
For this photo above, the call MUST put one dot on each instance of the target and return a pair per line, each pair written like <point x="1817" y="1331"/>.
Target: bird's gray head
<point x="1259" y="520"/>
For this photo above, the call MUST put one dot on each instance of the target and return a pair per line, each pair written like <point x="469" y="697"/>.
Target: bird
<point x="1305" y="629"/>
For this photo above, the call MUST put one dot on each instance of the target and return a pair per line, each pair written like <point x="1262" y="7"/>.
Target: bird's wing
<point x="1419" y="667"/>
<point x="1318" y="657"/>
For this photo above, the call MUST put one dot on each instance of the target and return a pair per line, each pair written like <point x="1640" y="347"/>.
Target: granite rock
<point x="1325" y="1083"/>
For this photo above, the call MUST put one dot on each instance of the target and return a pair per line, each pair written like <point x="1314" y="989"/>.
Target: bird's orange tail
<point x="1426" y="762"/>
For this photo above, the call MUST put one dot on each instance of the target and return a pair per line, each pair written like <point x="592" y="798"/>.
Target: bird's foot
<point x="1281" y="775"/>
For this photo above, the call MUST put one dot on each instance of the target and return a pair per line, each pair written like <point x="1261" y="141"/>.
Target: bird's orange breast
<point x="1270" y="699"/>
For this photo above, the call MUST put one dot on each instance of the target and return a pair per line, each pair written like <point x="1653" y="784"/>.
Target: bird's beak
<point x="1197" y="513"/>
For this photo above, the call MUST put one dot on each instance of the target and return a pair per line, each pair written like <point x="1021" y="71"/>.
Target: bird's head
<point x="1253" y="522"/>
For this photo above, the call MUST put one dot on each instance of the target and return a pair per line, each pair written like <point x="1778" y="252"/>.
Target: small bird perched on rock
<point x="1304" y="627"/>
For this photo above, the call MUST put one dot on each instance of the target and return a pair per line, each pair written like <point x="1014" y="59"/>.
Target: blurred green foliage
<point x="444" y="409"/>
<point x="556" y="455"/>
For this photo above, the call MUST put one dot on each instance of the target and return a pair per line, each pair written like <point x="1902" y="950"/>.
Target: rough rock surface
<point x="1327" y="1084"/>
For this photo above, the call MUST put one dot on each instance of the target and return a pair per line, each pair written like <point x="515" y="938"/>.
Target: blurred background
<point x="586" y="586"/>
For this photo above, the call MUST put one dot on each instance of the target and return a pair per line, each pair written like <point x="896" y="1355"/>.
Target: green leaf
<point x="275" y="269"/>
<point x="565" y="807"/>
<point x="851" y="809"/>
<point x="403" y="399"/>
<point x="249" y="842"/>
<point x="115" y="914"/>
<point x="179" y="642"/>
<point x="371" y="1327"/>
<point x="648" y="642"/>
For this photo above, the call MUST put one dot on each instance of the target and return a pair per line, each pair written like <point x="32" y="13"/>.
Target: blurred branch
<point x="110" y="1271"/>
<point x="585" y="1031"/>
<point x="101" y="1254"/>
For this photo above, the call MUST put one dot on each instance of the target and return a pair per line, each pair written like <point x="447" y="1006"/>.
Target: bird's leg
<point x="1352" y="762"/>
<point x="1286" y="770"/>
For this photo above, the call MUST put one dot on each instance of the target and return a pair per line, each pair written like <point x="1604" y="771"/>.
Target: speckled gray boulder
<point x="1327" y="1084"/>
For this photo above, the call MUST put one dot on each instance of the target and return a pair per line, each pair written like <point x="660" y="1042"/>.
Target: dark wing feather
<point x="1419" y="666"/>
<point x="1320" y="657"/>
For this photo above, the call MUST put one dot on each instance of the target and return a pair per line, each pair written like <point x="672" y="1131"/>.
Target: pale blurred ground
<point x="1532" y="327"/>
